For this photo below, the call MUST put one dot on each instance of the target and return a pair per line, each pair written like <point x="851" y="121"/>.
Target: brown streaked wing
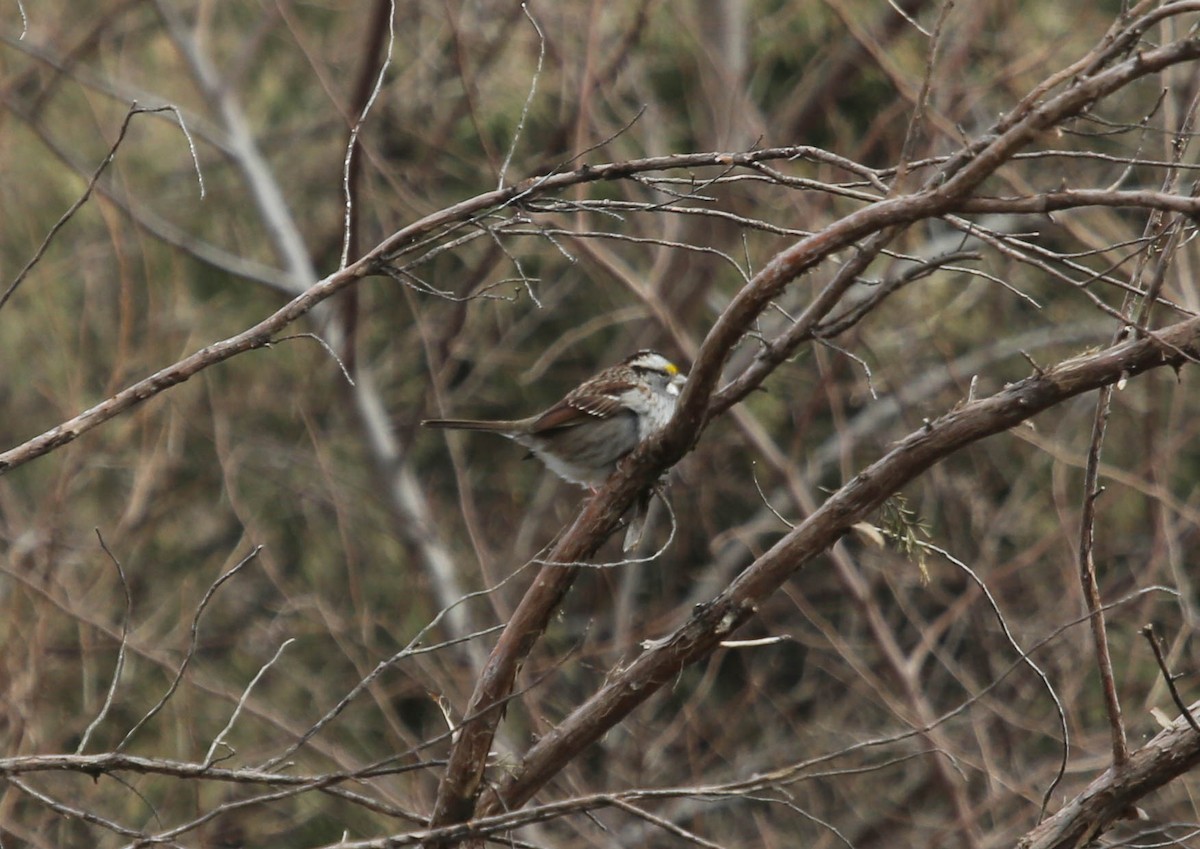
<point x="576" y="409"/>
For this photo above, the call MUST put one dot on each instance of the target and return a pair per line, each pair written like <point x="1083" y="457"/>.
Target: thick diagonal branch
<point x="942" y="194"/>
<point x="715" y="621"/>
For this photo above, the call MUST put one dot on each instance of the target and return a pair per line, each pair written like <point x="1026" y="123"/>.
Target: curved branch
<point x="942" y="193"/>
<point x="260" y="335"/>
<point x="716" y="620"/>
<point x="1111" y="797"/>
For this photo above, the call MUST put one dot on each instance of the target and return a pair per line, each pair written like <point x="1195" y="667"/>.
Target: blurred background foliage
<point x="271" y="449"/>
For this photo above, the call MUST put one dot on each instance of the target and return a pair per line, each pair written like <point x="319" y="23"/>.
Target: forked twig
<point x="533" y="83"/>
<point x="134" y="109"/>
<point x="193" y="641"/>
<point x="1156" y="646"/>
<point x="112" y="688"/>
<point x="219" y="740"/>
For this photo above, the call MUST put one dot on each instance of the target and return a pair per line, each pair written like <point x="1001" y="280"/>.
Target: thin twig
<point x="533" y="83"/>
<point x="219" y="740"/>
<point x="1087" y="576"/>
<point x="134" y="109"/>
<point x="328" y="349"/>
<point x="112" y="688"/>
<point x="628" y="561"/>
<point x="922" y="101"/>
<point x="1025" y="658"/>
<point x="413" y="647"/>
<point x="352" y="144"/>
<point x="193" y="641"/>
<point x="73" y="812"/>
<point x="1168" y="677"/>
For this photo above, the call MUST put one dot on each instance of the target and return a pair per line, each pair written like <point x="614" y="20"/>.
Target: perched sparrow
<point x="582" y="437"/>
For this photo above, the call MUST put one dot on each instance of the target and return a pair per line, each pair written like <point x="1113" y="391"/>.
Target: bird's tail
<point x="470" y="424"/>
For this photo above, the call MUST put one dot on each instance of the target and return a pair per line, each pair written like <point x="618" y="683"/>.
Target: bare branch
<point x="714" y="622"/>
<point x="91" y="185"/>
<point x="1168" y="677"/>
<point x="120" y="666"/>
<point x="193" y="637"/>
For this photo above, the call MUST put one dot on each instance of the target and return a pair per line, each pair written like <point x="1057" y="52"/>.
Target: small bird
<point x="582" y="437"/>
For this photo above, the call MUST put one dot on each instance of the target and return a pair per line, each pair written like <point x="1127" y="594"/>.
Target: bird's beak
<point x="676" y="384"/>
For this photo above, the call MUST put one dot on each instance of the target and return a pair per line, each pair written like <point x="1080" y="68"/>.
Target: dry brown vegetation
<point x="934" y="278"/>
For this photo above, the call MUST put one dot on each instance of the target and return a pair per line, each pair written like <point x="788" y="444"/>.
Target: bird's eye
<point x="662" y="371"/>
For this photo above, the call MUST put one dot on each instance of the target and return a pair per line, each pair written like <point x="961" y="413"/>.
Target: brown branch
<point x="1168" y="677"/>
<point x="715" y="621"/>
<point x="464" y="774"/>
<point x="786" y="266"/>
<point x="87" y="193"/>
<point x="1087" y="578"/>
<point x="1045" y="202"/>
<point x="373" y="57"/>
<point x="115" y="763"/>
<point x="940" y="196"/>
<point x="261" y="334"/>
<point x="1111" y="797"/>
<point x="1154" y="231"/>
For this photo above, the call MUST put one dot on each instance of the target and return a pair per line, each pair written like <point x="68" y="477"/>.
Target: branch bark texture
<point x="715" y="621"/>
<point x="944" y="192"/>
